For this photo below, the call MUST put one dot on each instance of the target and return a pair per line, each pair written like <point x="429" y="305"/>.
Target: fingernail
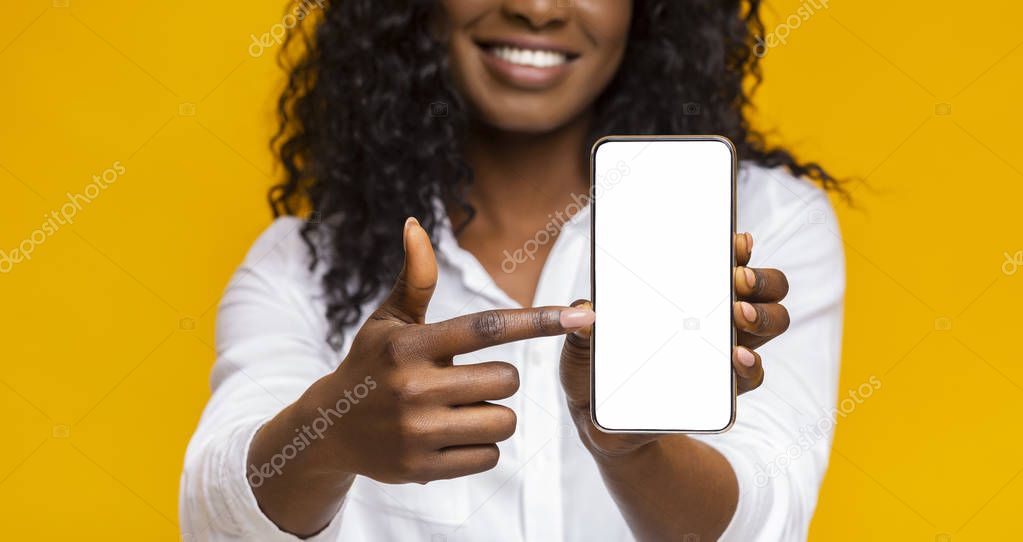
<point x="744" y="356"/>
<point x="577" y="318"/>
<point x="404" y="233"/>
<point x="749" y="242"/>
<point x="748" y="311"/>
<point x="409" y="222"/>
<point x="751" y="278"/>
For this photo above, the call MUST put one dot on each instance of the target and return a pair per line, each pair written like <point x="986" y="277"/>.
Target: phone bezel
<point x="593" y="279"/>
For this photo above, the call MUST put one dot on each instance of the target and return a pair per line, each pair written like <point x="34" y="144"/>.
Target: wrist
<point x="619" y="451"/>
<point x="315" y="426"/>
<point x="295" y="484"/>
<point x="610" y="448"/>
<point x="284" y="455"/>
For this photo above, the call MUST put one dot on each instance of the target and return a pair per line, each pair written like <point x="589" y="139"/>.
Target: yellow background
<point x="107" y="329"/>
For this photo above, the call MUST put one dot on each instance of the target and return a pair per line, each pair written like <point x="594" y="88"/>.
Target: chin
<point x="521" y="125"/>
<point x="525" y="118"/>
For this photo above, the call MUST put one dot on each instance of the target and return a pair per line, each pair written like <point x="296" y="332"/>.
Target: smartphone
<point x="662" y="260"/>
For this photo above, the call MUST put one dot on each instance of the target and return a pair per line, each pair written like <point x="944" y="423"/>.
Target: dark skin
<point x="429" y="419"/>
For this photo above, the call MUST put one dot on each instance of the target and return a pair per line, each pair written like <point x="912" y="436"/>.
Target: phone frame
<point x="593" y="274"/>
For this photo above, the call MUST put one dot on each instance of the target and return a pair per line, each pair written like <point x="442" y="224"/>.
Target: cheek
<point x="606" y="22"/>
<point x="457" y="12"/>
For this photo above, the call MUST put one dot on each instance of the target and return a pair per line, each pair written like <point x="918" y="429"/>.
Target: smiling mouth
<point x="533" y="58"/>
<point x="528" y="65"/>
<point x="528" y="57"/>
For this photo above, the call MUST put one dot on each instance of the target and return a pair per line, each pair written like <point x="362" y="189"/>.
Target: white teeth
<point x="529" y="57"/>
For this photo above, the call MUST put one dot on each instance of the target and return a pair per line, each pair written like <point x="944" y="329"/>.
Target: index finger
<point x="481" y="330"/>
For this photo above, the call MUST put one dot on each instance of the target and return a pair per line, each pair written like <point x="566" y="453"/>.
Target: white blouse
<point x="271" y="346"/>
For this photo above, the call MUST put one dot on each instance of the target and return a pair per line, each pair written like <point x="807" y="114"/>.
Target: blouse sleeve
<point x="271" y="346"/>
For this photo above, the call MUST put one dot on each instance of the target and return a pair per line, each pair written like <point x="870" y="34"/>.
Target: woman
<point x="333" y="390"/>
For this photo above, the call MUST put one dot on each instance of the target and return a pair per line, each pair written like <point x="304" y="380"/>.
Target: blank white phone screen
<point x="662" y="284"/>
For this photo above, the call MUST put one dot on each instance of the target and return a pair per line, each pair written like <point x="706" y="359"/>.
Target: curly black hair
<point x="371" y="124"/>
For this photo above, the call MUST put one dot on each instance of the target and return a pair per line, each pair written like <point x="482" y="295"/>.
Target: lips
<point x="526" y="65"/>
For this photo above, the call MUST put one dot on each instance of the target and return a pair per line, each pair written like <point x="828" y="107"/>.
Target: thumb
<point x="575" y="364"/>
<point x="413" y="289"/>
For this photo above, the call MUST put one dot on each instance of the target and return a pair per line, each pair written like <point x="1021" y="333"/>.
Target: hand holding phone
<point x="748" y="367"/>
<point x="662" y="263"/>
